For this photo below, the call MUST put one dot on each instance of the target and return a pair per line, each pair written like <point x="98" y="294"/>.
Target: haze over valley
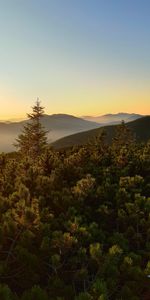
<point x="59" y="126"/>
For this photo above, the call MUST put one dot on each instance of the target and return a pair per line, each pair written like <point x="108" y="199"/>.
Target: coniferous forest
<point x="75" y="223"/>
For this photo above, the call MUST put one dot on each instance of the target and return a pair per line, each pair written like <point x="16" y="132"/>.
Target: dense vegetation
<point x="75" y="224"/>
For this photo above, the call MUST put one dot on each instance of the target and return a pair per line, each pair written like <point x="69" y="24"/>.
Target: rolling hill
<point x="58" y="125"/>
<point x="140" y="128"/>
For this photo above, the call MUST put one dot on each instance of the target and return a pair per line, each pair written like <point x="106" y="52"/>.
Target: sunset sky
<point x="81" y="57"/>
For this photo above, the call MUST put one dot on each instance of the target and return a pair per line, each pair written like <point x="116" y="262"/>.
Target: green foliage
<point x="95" y="250"/>
<point x="5" y="293"/>
<point x="84" y="296"/>
<point x="75" y="224"/>
<point x="36" y="293"/>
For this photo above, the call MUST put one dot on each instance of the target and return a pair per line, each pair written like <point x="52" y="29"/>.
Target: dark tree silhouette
<point x="33" y="139"/>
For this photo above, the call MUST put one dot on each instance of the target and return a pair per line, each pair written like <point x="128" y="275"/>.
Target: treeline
<point x="75" y="224"/>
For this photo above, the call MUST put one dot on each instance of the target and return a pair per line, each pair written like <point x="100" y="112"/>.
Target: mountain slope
<point x="58" y="125"/>
<point x="139" y="127"/>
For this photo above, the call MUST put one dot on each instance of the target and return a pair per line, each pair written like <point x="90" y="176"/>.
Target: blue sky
<point x="78" y="56"/>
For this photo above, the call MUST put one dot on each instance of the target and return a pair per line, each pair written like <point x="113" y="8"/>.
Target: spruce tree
<point x="123" y="136"/>
<point x="33" y="139"/>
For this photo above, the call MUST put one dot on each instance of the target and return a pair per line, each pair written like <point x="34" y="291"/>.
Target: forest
<point x="75" y="223"/>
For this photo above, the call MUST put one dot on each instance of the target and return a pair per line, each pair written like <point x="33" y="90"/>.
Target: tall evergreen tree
<point x="33" y="139"/>
<point x="123" y="136"/>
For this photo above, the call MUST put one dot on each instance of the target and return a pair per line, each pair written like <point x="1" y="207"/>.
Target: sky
<point x="80" y="57"/>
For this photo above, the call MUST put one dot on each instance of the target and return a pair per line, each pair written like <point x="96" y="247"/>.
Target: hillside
<point x="139" y="127"/>
<point x="75" y="224"/>
<point x="58" y="125"/>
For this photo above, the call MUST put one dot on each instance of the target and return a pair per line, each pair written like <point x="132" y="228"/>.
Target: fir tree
<point x="123" y="136"/>
<point x="33" y="139"/>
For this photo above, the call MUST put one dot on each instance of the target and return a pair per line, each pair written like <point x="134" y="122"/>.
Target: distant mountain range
<point x="59" y="126"/>
<point x="113" y="118"/>
<point x="139" y="127"/>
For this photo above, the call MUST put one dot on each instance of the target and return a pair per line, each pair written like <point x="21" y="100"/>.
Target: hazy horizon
<point x="13" y="119"/>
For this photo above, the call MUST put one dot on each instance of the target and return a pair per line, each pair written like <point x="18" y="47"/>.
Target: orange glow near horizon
<point x="91" y="100"/>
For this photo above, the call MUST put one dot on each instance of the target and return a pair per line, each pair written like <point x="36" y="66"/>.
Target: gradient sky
<point x="82" y="57"/>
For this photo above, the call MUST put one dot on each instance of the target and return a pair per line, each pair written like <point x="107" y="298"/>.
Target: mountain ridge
<point x="139" y="127"/>
<point x="113" y="118"/>
<point x="58" y="125"/>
